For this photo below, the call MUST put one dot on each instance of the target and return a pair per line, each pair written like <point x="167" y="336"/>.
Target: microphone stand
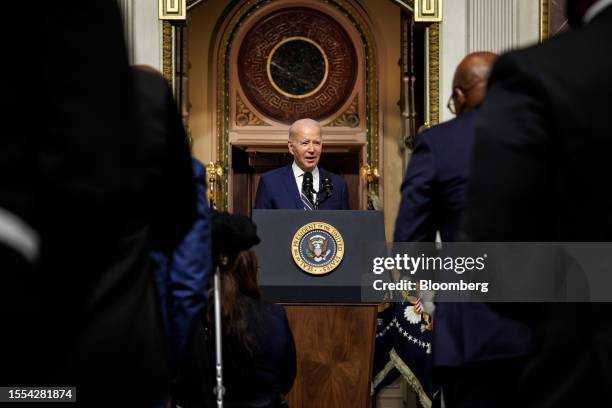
<point x="219" y="389"/>
<point x="327" y="187"/>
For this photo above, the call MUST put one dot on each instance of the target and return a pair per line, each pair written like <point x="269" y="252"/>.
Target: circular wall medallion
<point x="297" y="67"/>
<point x="317" y="248"/>
<point x="297" y="62"/>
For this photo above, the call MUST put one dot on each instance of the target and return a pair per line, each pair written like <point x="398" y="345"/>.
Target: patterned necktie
<point x="307" y="184"/>
<point x="307" y="204"/>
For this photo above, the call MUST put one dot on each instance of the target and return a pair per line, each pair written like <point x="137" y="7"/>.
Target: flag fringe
<point x="410" y="378"/>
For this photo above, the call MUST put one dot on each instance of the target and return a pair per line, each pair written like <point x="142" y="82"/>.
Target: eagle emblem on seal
<point x="317" y="245"/>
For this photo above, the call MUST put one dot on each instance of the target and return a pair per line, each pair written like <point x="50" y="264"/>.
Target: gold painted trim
<point x="173" y="60"/>
<point x="433" y="57"/>
<point x="167" y="51"/>
<point x="544" y="20"/>
<point x="348" y="118"/>
<point x="222" y="124"/>
<point x="269" y="71"/>
<point x="246" y="117"/>
<point x="371" y="78"/>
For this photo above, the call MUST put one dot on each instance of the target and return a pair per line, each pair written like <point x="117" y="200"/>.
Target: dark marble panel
<point x="297" y="67"/>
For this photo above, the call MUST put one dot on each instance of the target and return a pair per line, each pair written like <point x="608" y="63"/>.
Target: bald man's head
<point x="305" y="143"/>
<point x="470" y="80"/>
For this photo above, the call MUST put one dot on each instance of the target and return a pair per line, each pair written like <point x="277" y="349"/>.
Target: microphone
<point x="307" y="187"/>
<point x="327" y="185"/>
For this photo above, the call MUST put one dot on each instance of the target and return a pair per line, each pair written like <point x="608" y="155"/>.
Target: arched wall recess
<point x="236" y="119"/>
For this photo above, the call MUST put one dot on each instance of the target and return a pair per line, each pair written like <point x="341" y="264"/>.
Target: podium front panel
<point x="282" y="281"/>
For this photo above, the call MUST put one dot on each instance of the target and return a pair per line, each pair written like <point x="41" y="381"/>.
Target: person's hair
<point x="238" y="284"/>
<point x="301" y="122"/>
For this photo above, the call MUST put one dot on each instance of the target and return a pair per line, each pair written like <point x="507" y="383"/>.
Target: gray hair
<point x="302" y="122"/>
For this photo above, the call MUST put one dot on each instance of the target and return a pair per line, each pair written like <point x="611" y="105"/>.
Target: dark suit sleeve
<point x="262" y="197"/>
<point x="509" y="189"/>
<point x="415" y="219"/>
<point x="176" y="194"/>
<point x="189" y="272"/>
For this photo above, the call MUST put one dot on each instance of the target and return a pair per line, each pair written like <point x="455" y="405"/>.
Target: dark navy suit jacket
<point x="433" y="199"/>
<point x="277" y="189"/>
<point x="182" y="275"/>
<point x="433" y="191"/>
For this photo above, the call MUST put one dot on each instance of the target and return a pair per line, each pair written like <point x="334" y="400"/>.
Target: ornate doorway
<point x="284" y="60"/>
<point x="250" y="112"/>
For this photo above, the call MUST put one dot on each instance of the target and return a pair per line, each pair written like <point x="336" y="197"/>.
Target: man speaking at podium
<point x="302" y="185"/>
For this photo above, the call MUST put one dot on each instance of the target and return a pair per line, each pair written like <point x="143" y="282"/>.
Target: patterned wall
<point x="263" y="40"/>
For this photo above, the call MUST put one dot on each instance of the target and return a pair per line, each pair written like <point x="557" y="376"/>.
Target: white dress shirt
<point x="299" y="177"/>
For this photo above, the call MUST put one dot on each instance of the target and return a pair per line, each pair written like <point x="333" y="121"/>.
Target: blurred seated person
<point x="259" y="358"/>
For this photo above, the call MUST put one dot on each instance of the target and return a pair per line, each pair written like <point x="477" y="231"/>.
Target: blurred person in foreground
<point x="86" y="312"/>
<point x="182" y="261"/>
<point x="259" y="356"/>
<point x="540" y="173"/>
<point x="476" y="353"/>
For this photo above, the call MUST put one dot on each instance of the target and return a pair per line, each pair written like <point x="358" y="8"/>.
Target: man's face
<point x="306" y="147"/>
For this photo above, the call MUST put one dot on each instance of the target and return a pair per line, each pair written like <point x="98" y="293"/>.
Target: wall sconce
<point x="214" y="172"/>
<point x="371" y="175"/>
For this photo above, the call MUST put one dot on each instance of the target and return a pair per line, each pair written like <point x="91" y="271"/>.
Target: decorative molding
<point x="167" y="51"/>
<point x="245" y="117"/>
<point x="348" y="118"/>
<point x="544" y="20"/>
<point x="172" y="9"/>
<point x="493" y="25"/>
<point x="127" y="14"/>
<point x="372" y="120"/>
<point x="309" y="25"/>
<point x="427" y="11"/>
<point x="222" y="115"/>
<point x="434" y="73"/>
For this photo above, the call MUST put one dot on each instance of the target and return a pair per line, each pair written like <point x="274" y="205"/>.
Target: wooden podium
<point x="335" y="353"/>
<point x="334" y="332"/>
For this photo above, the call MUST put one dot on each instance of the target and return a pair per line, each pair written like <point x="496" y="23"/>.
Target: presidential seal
<point x="317" y="248"/>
